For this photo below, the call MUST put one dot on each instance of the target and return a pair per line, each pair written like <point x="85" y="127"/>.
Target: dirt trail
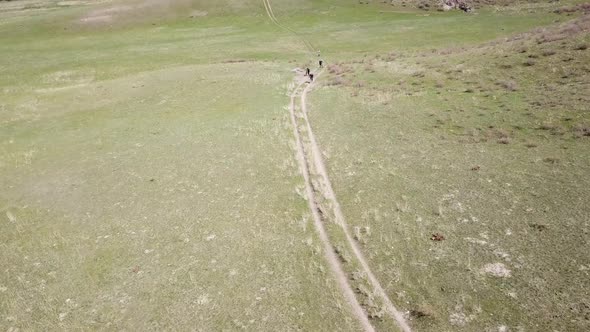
<point x="331" y="258"/>
<point x="327" y="192"/>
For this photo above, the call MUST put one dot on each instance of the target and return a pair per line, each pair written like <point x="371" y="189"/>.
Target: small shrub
<point x="437" y="237"/>
<point x="547" y="126"/>
<point x="500" y="135"/>
<point x="509" y="85"/>
<point x="538" y="227"/>
<point x="547" y="38"/>
<point x="581" y="131"/>
<point x="422" y="312"/>
<point x="390" y="57"/>
<point x="529" y="63"/>
<point x="418" y="74"/>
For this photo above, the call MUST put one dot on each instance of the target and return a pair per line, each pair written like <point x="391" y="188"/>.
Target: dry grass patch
<point x="509" y="85"/>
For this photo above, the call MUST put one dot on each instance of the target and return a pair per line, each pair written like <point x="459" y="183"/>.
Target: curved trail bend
<point x="328" y="193"/>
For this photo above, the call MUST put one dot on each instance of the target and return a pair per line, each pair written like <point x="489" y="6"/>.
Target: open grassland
<point x="148" y="183"/>
<point x="485" y="144"/>
<point x="160" y="210"/>
<point x="149" y="180"/>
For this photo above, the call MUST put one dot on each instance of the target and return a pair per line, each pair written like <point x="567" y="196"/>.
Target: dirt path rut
<point x="331" y="258"/>
<point x="328" y="192"/>
<point x="316" y="167"/>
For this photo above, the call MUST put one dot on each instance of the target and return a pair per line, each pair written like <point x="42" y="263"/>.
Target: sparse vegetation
<point x="149" y="178"/>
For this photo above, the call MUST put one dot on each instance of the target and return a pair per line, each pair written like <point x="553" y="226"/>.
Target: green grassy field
<point x="486" y="145"/>
<point x="149" y="179"/>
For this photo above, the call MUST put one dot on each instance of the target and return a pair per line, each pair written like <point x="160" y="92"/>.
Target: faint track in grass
<point x="328" y="193"/>
<point x="272" y="17"/>
<point x="331" y="257"/>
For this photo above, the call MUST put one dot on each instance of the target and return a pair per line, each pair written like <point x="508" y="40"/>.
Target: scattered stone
<point x="203" y="299"/>
<point x="497" y="270"/>
<point x="455" y="4"/>
<point x="10" y="216"/>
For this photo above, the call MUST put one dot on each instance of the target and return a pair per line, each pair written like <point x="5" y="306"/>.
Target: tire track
<point x="273" y="18"/>
<point x="331" y="258"/>
<point x="328" y="193"/>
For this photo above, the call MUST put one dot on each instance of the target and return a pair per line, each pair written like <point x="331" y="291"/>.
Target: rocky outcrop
<point x="455" y="4"/>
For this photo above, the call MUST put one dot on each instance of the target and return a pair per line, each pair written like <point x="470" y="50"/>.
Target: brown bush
<point x="504" y="140"/>
<point x="581" y="131"/>
<point x="437" y="237"/>
<point x="422" y="312"/>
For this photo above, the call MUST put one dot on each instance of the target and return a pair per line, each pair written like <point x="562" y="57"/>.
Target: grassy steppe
<point x="486" y="144"/>
<point x="148" y="178"/>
